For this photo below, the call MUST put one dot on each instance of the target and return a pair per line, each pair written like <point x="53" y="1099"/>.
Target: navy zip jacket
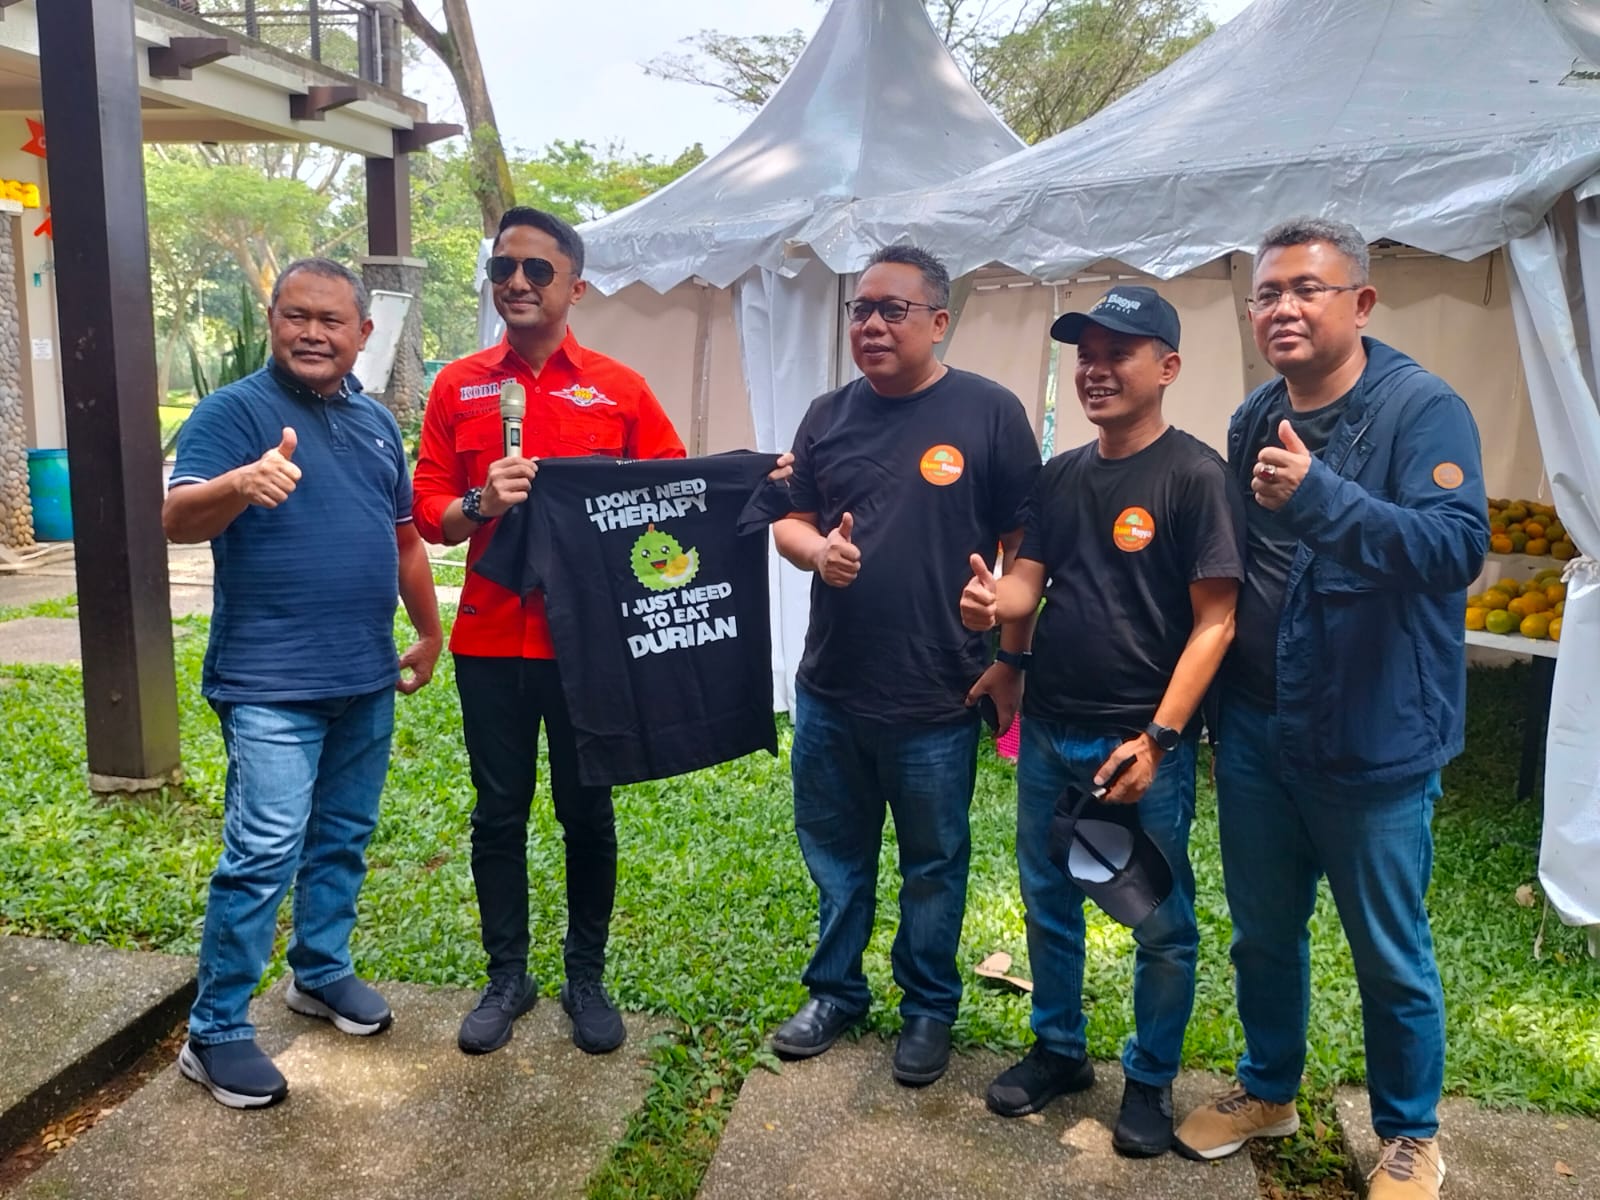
<point x="1392" y="522"/>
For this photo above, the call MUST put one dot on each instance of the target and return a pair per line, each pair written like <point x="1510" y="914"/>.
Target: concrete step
<point x="401" y="1116"/>
<point x="71" y="1017"/>
<point x="1491" y="1155"/>
<point x="839" y="1125"/>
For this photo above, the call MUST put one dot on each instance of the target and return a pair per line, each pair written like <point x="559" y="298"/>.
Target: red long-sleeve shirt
<point x="581" y="403"/>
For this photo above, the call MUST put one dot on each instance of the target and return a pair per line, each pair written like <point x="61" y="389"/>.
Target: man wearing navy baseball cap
<point x="1139" y="536"/>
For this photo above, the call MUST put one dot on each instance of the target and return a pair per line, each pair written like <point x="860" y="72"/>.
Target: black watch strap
<point x="1012" y="658"/>
<point x="1164" y="737"/>
<point x="470" y="506"/>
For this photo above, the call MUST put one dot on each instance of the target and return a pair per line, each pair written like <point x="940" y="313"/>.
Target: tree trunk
<point x="457" y="47"/>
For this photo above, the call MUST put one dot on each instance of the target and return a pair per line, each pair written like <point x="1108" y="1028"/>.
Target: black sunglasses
<point x="537" y="271"/>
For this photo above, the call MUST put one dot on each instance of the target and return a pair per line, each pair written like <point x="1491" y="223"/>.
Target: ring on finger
<point x="1269" y="471"/>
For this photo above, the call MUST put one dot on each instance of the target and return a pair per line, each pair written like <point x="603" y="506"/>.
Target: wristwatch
<point x="1167" y="739"/>
<point x="470" y="509"/>
<point x="1012" y="658"/>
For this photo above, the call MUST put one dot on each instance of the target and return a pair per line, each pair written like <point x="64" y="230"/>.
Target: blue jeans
<point x="301" y="803"/>
<point x="1374" y="844"/>
<point x="846" y="770"/>
<point x="1053" y="755"/>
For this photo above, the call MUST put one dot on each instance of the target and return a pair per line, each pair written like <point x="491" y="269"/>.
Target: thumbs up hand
<point x="839" y="559"/>
<point x="268" y="481"/>
<point x="980" y="609"/>
<point x="1279" y="472"/>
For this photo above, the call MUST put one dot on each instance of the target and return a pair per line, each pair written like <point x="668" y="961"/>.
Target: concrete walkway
<point x="840" y="1126"/>
<point x="401" y="1116"/>
<point x="71" y="1016"/>
<point x="1492" y="1155"/>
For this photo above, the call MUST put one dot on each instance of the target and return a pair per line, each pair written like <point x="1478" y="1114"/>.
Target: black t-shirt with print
<point x="1121" y="540"/>
<point x="655" y="586"/>
<point x="1252" y="665"/>
<point x="930" y="479"/>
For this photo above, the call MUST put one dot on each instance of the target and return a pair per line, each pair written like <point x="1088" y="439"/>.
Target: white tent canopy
<point x="1450" y="127"/>
<point x="875" y="104"/>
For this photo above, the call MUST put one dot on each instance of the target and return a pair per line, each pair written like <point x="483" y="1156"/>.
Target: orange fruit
<point x="1530" y="585"/>
<point x="1533" y="529"/>
<point x="1535" y="625"/>
<point x="1500" y="621"/>
<point x="1519" y="540"/>
<point x="1500" y="543"/>
<point x="1496" y="525"/>
<point x="1555" y="592"/>
<point x="1476" y="617"/>
<point x="1494" y="598"/>
<point x="1562" y="550"/>
<point x="1555" y="629"/>
<point x="1535" y="602"/>
<point x="1518" y="608"/>
<point x="1537" y="545"/>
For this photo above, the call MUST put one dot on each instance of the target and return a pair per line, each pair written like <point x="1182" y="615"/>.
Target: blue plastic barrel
<point x="52" y="500"/>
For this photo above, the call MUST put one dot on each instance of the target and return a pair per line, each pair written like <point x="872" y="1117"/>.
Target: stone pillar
<point x="404" y="395"/>
<point x="16" y="510"/>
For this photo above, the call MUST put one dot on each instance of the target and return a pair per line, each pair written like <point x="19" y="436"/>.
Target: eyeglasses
<point x="1306" y="295"/>
<point x="892" y="311"/>
<point x="537" y="271"/>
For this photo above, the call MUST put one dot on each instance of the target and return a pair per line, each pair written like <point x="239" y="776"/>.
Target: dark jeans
<point x="846" y="771"/>
<point x="503" y="701"/>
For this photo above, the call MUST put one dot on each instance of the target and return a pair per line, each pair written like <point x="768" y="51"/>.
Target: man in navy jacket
<point x="1344" y="692"/>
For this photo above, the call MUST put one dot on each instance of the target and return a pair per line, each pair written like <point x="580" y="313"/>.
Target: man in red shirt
<point x="578" y="403"/>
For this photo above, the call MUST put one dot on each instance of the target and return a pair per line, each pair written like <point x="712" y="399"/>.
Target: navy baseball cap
<point x="1136" y="310"/>
<point x="1104" y="849"/>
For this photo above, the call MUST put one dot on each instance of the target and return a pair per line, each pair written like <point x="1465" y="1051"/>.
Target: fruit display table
<point x="1536" y="720"/>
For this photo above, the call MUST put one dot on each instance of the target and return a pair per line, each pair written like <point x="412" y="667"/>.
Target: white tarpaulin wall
<point x="1555" y="267"/>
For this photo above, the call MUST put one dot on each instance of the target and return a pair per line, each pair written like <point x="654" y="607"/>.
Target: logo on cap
<point x="1135" y="529"/>
<point x="1120" y="303"/>
<point x="942" y="465"/>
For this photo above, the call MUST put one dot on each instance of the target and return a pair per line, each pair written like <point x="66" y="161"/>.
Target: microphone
<point x="513" y="404"/>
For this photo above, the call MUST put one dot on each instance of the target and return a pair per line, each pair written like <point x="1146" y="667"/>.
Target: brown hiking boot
<point x="1408" y="1169"/>
<point x="1227" y="1123"/>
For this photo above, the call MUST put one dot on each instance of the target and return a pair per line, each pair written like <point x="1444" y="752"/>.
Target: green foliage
<point x="579" y="182"/>
<point x="63" y="606"/>
<point x="716" y="915"/>
<point x="245" y="356"/>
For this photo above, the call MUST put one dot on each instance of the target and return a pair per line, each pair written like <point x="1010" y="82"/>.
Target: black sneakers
<point x="353" y="1006"/>
<point x="236" y="1074"/>
<point x="596" y="1025"/>
<point x="1035" y="1081"/>
<point x="1144" y="1126"/>
<point x="488" y="1026"/>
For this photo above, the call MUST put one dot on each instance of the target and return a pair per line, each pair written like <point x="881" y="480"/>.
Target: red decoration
<point x="36" y="141"/>
<point x="45" y="230"/>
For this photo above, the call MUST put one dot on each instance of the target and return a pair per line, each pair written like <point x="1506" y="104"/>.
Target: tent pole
<point x="1255" y="370"/>
<point x="700" y="405"/>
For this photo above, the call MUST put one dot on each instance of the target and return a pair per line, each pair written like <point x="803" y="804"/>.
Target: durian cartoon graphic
<point x="660" y="563"/>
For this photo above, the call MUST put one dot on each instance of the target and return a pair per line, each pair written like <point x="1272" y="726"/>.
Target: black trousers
<point x="503" y="701"/>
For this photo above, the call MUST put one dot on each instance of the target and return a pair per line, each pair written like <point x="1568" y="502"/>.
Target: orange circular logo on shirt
<point x="1448" y="476"/>
<point x="1135" y="529"/>
<point x="942" y="465"/>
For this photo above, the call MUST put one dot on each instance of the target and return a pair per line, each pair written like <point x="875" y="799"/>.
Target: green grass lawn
<point x="715" y="912"/>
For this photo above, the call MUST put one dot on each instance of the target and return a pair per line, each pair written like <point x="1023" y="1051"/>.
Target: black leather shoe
<point x="1039" y="1078"/>
<point x="812" y="1030"/>
<point x="1144" y="1126"/>
<point x="923" y="1051"/>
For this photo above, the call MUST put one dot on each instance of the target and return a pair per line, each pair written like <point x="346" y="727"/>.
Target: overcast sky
<point x="574" y="71"/>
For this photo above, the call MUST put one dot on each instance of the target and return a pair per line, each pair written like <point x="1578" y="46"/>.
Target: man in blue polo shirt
<point x="300" y="484"/>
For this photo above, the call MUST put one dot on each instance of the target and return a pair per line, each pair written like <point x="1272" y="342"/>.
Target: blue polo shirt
<point x="305" y="593"/>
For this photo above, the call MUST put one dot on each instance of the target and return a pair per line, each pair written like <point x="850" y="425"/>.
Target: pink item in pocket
<point x="1009" y="742"/>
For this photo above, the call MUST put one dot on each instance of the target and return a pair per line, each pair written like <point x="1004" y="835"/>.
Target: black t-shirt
<point x="1121" y="540"/>
<point x="655" y="586"/>
<point x="930" y="479"/>
<point x="1252" y="665"/>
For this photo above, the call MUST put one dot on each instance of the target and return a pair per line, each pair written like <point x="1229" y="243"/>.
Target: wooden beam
<point x="317" y="100"/>
<point x="423" y="134"/>
<point x="389" y="207"/>
<point x="89" y="79"/>
<point x="178" y="58"/>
